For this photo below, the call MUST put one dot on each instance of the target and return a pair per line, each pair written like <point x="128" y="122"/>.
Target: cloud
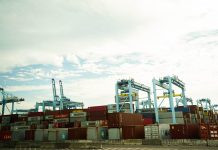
<point x="92" y="44"/>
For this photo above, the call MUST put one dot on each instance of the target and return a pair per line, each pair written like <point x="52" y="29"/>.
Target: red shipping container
<point x="57" y="116"/>
<point x="193" y="109"/>
<point x="45" y="124"/>
<point x="213" y="131"/>
<point x="147" y="121"/>
<point x="66" y="111"/>
<point x="182" y="131"/>
<point x="29" y="135"/>
<point x="192" y="131"/>
<point x="117" y="120"/>
<point x="14" y="118"/>
<point x="133" y="132"/>
<point x="77" y="133"/>
<point x="49" y="112"/>
<point x="97" y="115"/>
<point x="97" y="108"/>
<point x="178" y="131"/>
<point x="5" y="135"/>
<point x="203" y="131"/>
<point x="35" y="114"/>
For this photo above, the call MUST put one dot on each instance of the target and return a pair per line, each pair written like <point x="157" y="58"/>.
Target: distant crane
<point x="205" y="103"/>
<point x="8" y="98"/>
<point x="55" y="96"/>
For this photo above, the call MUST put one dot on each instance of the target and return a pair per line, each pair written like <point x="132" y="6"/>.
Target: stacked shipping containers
<point x="101" y="123"/>
<point x="125" y="126"/>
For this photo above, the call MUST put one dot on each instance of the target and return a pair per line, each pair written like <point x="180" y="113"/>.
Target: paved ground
<point x="138" y="147"/>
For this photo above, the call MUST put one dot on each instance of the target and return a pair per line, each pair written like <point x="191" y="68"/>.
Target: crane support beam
<point x="126" y="91"/>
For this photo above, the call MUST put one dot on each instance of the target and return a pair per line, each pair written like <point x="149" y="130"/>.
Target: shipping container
<point x="76" y="119"/>
<point x="97" y="115"/>
<point x="5" y="128"/>
<point x="35" y="118"/>
<point x="178" y="131"/>
<point x="165" y="115"/>
<point x="20" y="123"/>
<point x="5" y="135"/>
<point x="57" y="134"/>
<point x="99" y="123"/>
<point x="20" y="127"/>
<point x="193" y="109"/>
<point x="203" y="131"/>
<point x="18" y="135"/>
<point x="59" y="124"/>
<point x="78" y="114"/>
<point x="170" y="120"/>
<point x="62" y="134"/>
<point x="133" y="132"/>
<point x="77" y="133"/>
<point x="29" y="135"/>
<point x="49" y="117"/>
<point x="60" y="116"/>
<point x="41" y="135"/>
<point x="148" y="115"/>
<point x="97" y="108"/>
<point x="97" y="133"/>
<point x="117" y="120"/>
<point x="148" y="121"/>
<point x="66" y="120"/>
<point x="161" y="131"/>
<point x="182" y="109"/>
<point x="22" y="119"/>
<point x="213" y="131"/>
<point x="78" y="110"/>
<point x="115" y="133"/>
<point x="49" y="112"/>
<point x="35" y="114"/>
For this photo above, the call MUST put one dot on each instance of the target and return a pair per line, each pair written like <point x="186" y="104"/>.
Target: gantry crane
<point x="8" y="98"/>
<point x="147" y="104"/>
<point x="61" y="102"/>
<point x="205" y="103"/>
<point x="179" y="100"/>
<point x="215" y="108"/>
<point x="166" y="83"/>
<point x="126" y="91"/>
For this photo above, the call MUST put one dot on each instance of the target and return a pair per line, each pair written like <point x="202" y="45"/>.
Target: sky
<point x="89" y="45"/>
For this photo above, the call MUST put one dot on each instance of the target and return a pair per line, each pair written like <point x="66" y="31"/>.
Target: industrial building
<point x="130" y="117"/>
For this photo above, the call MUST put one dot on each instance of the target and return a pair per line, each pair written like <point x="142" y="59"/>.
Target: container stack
<point x="125" y="126"/>
<point x="103" y="123"/>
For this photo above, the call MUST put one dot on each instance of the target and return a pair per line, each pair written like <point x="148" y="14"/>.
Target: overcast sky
<point x="90" y="44"/>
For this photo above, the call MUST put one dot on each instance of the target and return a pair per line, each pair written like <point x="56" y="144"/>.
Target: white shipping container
<point x="52" y="135"/>
<point x="20" y="127"/>
<point x="114" y="133"/>
<point x="81" y="119"/>
<point x="97" y="133"/>
<point x="60" y="134"/>
<point x="161" y="131"/>
<point x="62" y="120"/>
<point x="164" y="115"/>
<point x="169" y="120"/>
<point x="41" y="135"/>
<point x="49" y="117"/>
<point x="18" y="135"/>
<point x="37" y="118"/>
<point x="78" y="114"/>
